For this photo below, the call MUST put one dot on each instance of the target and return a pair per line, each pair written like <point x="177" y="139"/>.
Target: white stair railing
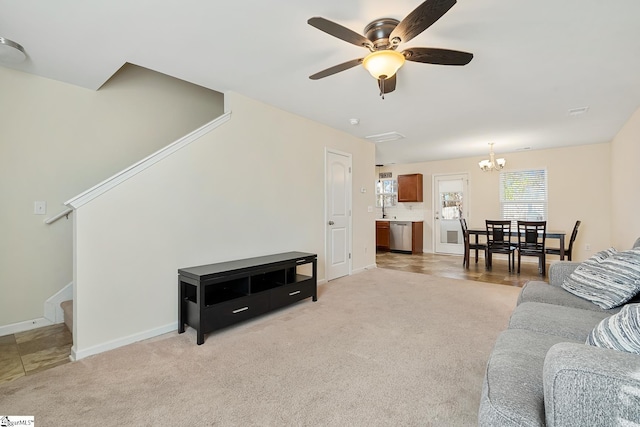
<point x="143" y="164"/>
<point x="53" y="219"/>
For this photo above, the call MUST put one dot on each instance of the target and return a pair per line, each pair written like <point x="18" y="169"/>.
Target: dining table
<point x="549" y="234"/>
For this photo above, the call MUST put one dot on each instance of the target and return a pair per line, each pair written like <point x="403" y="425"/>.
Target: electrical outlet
<point x="39" y="207"/>
<point x="587" y="247"/>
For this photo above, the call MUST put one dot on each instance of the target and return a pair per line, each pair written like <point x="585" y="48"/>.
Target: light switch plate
<point x="40" y="207"/>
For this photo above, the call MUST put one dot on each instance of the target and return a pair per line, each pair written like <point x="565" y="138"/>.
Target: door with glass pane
<point x="450" y="194"/>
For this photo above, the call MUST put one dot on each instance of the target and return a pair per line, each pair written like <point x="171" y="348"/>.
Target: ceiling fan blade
<point x="420" y="19"/>
<point x="336" y="69"/>
<point x="389" y="84"/>
<point x="432" y="55"/>
<point x="337" y="30"/>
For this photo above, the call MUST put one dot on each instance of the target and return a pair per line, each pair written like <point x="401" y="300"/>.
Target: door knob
<point x="331" y="222"/>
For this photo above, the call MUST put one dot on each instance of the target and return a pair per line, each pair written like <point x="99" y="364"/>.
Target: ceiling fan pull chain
<point x="382" y="87"/>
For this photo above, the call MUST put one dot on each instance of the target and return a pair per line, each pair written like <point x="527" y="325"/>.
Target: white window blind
<point x="523" y="195"/>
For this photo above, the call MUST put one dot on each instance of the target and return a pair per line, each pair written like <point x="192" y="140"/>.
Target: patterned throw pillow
<point x="572" y="282"/>
<point x="607" y="279"/>
<point x="619" y="332"/>
<point x="602" y="255"/>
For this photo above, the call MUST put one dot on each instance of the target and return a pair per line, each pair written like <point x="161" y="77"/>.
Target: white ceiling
<point x="533" y="62"/>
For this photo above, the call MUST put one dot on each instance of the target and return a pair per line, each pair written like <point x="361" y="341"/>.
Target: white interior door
<point x="449" y="205"/>
<point x="338" y="214"/>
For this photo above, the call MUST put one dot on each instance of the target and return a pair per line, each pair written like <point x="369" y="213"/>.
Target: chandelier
<point x="493" y="163"/>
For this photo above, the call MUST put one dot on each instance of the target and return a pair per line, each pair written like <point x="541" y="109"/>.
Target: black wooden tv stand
<point x="217" y="295"/>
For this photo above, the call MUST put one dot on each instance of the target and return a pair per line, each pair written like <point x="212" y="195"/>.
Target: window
<point x="451" y="205"/>
<point x="386" y="193"/>
<point x="523" y="195"/>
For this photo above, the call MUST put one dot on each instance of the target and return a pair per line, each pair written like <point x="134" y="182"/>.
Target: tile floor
<point x="451" y="266"/>
<point x="28" y="352"/>
<point x="33" y="351"/>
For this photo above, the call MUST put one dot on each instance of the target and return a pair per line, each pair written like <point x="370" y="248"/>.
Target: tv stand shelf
<point x="217" y="295"/>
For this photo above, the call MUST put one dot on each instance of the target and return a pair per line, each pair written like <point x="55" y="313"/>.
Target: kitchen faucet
<point x="383" y="214"/>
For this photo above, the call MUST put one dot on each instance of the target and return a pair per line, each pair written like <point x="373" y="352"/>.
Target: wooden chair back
<point x="532" y="237"/>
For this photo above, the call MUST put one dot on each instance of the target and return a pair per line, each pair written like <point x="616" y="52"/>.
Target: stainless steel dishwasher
<point x="400" y="236"/>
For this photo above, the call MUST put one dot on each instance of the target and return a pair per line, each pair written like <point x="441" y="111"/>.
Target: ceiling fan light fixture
<point x="383" y="63"/>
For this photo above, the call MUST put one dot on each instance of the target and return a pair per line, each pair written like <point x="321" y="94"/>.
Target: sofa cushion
<point x="512" y="393"/>
<point x="568" y="322"/>
<point x="619" y="332"/>
<point x="590" y="386"/>
<point x="609" y="282"/>
<point x="536" y="291"/>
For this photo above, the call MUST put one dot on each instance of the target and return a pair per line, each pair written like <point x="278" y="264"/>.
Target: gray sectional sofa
<point x="541" y="372"/>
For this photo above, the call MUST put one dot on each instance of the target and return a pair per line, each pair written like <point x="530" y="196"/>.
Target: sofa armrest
<point x="558" y="270"/>
<point x="590" y="386"/>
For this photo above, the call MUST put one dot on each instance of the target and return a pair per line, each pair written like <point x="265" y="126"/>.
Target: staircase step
<point x="67" y="308"/>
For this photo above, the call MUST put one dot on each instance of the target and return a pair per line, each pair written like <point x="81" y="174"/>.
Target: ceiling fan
<point x="382" y="38"/>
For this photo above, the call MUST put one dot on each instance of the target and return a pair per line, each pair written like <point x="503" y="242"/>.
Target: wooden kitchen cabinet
<point x="382" y="235"/>
<point x="417" y="241"/>
<point x="410" y="188"/>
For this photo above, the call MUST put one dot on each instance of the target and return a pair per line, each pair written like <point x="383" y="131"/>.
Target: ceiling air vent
<point x="385" y="137"/>
<point x="578" y="111"/>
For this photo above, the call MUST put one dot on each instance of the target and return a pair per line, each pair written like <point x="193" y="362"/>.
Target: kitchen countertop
<point x="399" y="220"/>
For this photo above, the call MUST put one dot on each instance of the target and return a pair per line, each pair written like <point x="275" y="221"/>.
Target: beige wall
<point x="58" y="140"/>
<point x="625" y="176"/>
<point x="253" y="186"/>
<point x="579" y="183"/>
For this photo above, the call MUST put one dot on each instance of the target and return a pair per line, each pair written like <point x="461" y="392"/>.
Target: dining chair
<point x="569" y="249"/>
<point x="499" y="241"/>
<point x="469" y="246"/>
<point x="531" y="241"/>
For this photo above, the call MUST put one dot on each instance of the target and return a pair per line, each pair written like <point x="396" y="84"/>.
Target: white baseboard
<point x="362" y="270"/>
<point x="27" y="325"/>
<point x="120" y="342"/>
<point x="52" y="310"/>
<point x="53" y="314"/>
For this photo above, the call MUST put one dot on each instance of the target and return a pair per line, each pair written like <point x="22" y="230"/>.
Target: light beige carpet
<point x="380" y="348"/>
